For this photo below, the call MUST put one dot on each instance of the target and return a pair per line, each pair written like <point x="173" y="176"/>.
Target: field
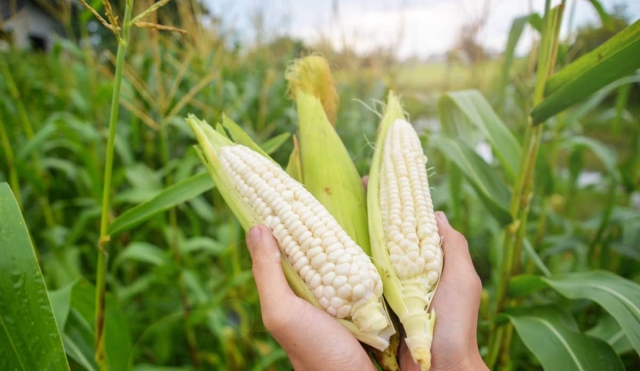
<point x="144" y="267"/>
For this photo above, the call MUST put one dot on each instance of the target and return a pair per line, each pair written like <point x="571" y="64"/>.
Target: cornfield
<point x="118" y="251"/>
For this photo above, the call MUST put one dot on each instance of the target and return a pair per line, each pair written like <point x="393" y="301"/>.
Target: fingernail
<point x="254" y="237"/>
<point x="442" y="218"/>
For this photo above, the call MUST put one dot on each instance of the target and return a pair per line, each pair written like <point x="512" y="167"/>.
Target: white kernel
<point x="297" y="255"/>
<point x="328" y="278"/>
<point x="287" y="195"/>
<point x="324" y="302"/>
<point x="309" y="275"/>
<point x="294" y="225"/>
<point x="315" y="281"/>
<point x="329" y="292"/>
<point x="278" y="230"/>
<point x="344" y="311"/>
<point x="298" y="231"/>
<point x="342" y="269"/>
<point x="432" y="277"/>
<point x="345" y="292"/>
<point x="354" y="278"/>
<point x="329" y="267"/>
<point x="319" y="260"/>
<point x="318" y="232"/>
<point x="305" y="270"/>
<point x="334" y="255"/>
<point x="267" y="175"/>
<point x="314" y="251"/>
<point x="358" y="292"/>
<point x="336" y="302"/>
<point x="330" y="249"/>
<point x="301" y="263"/>
<point x="304" y="238"/>
<point x="344" y="259"/>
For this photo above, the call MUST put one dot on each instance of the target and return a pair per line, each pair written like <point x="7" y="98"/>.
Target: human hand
<point x="456" y="305"/>
<point x="312" y="339"/>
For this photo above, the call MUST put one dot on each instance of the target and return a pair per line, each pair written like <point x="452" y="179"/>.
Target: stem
<point x="108" y="169"/>
<point x="515" y="233"/>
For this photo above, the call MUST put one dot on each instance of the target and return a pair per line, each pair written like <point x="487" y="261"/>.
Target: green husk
<point x="327" y="170"/>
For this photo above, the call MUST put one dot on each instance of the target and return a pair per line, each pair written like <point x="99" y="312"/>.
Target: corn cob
<point x="322" y="263"/>
<point x="404" y="236"/>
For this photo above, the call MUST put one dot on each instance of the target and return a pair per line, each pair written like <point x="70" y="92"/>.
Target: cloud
<point x="410" y="27"/>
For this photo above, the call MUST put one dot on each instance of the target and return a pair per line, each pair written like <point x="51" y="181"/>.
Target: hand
<point x="313" y="339"/>
<point x="456" y="305"/>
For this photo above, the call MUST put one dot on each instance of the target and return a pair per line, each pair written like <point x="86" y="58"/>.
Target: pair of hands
<point x="314" y="340"/>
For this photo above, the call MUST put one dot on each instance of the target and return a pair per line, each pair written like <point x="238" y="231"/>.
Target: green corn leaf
<point x="596" y="99"/>
<point x="492" y="191"/>
<point x="609" y="330"/>
<point x="240" y="136"/>
<point x="618" y="57"/>
<point x="552" y="335"/>
<point x="463" y="112"/>
<point x="166" y="199"/>
<point x="143" y="252"/>
<point x="29" y="336"/>
<point x="274" y="143"/>
<point x="605" y="18"/>
<point x="515" y="32"/>
<point x="535" y="21"/>
<point x="618" y="296"/>
<point x="604" y="154"/>
<point x="41" y="136"/>
<point x="118" y="344"/>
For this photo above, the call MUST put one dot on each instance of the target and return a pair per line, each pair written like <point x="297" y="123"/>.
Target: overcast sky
<point x="420" y="28"/>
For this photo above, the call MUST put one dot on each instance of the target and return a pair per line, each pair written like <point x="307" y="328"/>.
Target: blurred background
<point x="179" y="281"/>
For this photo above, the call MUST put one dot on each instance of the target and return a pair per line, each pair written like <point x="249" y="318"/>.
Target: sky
<point x="414" y="28"/>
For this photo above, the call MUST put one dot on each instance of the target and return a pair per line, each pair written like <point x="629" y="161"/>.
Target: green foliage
<point x="180" y="291"/>
<point x="554" y="338"/>
<point x="29" y="338"/>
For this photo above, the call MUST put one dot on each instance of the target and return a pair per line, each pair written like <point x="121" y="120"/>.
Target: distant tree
<point x="468" y="49"/>
<point x="591" y="36"/>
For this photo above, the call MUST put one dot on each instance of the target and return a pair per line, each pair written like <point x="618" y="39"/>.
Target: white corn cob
<point x="408" y="220"/>
<point x="338" y="272"/>
<point x="410" y="231"/>
<point x="404" y="237"/>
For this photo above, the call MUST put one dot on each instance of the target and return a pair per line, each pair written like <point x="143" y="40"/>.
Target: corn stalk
<point x="519" y="209"/>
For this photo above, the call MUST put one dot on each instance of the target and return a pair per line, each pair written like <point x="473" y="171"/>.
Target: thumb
<point x="454" y="245"/>
<point x="458" y="266"/>
<point x="272" y="285"/>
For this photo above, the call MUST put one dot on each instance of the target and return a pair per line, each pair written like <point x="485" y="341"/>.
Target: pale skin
<point x="314" y="340"/>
